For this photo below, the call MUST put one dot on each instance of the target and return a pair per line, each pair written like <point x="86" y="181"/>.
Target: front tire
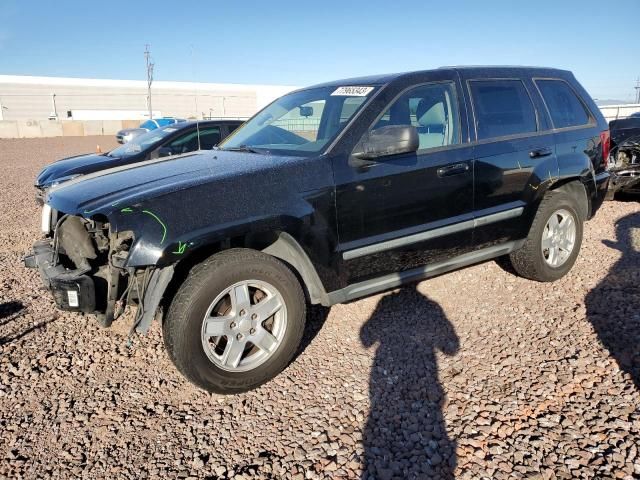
<point x="235" y="322"/>
<point x="554" y="240"/>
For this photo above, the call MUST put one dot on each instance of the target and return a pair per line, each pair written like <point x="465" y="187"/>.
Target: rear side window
<point x="502" y="107"/>
<point x="564" y="106"/>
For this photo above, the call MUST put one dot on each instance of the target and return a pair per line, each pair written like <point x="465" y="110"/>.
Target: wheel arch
<point x="576" y="189"/>
<point x="277" y="243"/>
<point x="287" y="249"/>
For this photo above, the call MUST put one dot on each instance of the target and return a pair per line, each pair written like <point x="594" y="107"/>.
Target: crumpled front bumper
<point x="71" y="289"/>
<point x="624" y="179"/>
<point x="40" y="194"/>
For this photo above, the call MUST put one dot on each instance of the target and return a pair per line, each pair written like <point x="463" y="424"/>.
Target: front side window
<point x="432" y="109"/>
<point x="502" y="108"/>
<point x="564" y="106"/>
<point x="232" y="127"/>
<point x="141" y="142"/>
<point x="209" y="138"/>
<point x="301" y="123"/>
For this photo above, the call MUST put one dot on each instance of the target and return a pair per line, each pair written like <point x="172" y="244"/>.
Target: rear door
<point x="576" y="129"/>
<point x="408" y="210"/>
<point x="514" y="153"/>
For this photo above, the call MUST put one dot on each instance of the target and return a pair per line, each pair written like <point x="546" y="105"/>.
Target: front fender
<point x="160" y="242"/>
<point x="168" y="226"/>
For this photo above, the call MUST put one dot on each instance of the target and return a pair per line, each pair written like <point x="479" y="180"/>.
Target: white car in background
<point x="125" y="135"/>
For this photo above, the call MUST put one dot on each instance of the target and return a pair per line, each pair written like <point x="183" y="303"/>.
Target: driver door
<point x="189" y="142"/>
<point x="405" y="211"/>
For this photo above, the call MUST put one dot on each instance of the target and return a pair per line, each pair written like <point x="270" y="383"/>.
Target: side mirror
<point x="305" y="111"/>
<point x="165" y="152"/>
<point x="389" y="140"/>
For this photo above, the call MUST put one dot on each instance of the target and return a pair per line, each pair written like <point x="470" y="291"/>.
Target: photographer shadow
<point x="613" y="306"/>
<point x="405" y="435"/>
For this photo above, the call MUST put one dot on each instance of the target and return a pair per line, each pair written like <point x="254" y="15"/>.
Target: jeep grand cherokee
<point x="330" y="193"/>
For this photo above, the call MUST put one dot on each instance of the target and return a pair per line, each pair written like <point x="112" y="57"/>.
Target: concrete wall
<point x="58" y="128"/>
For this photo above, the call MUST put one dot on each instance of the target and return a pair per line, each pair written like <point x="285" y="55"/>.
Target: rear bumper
<point x="71" y="289"/>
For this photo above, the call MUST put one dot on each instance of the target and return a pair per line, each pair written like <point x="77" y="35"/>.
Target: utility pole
<point x="637" y="87"/>
<point x="150" y="65"/>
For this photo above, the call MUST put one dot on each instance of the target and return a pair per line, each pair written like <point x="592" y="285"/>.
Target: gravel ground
<point x="474" y="374"/>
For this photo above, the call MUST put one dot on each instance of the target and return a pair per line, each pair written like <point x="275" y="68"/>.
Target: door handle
<point x="540" y="152"/>
<point x="455" y="169"/>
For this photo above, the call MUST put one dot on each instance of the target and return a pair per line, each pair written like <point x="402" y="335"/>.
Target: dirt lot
<point x="475" y="374"/>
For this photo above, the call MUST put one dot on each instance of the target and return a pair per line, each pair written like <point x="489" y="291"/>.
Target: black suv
<point x="329" y="194"/>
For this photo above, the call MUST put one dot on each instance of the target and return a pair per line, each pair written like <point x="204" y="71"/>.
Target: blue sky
<point x="302" y="42"/>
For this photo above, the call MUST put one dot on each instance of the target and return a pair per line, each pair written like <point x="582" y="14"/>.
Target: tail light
<point x="605" y="141"/>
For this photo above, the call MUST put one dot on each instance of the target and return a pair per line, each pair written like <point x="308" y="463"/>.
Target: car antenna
<point x="195" y="94"/>
<point x="198" y="129"/>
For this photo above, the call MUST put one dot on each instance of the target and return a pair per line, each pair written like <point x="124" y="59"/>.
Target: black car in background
<point x="162" y="142"/>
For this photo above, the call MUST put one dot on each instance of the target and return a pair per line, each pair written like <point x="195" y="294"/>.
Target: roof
<point x="383" y="79"/>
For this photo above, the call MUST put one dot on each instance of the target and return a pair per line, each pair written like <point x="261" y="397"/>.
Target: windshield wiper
<point x="244" y="148"/>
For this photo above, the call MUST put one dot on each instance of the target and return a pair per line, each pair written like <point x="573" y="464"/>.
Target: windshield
<point x="300" y="123"/>
<point x="142" y="142"/>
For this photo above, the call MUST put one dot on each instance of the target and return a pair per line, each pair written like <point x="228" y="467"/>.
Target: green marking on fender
<point x="181" y="248"/>
<point x="164" y="227"/>
<point x="126" y="210"/>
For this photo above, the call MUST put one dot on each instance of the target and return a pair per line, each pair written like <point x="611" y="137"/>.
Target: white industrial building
<point x="51" y="104"/>
<point x="55" y="106"/>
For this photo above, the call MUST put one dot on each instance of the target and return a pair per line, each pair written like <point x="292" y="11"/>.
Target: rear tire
<point x="552" y="246"/>
<point x="228" y="302"/>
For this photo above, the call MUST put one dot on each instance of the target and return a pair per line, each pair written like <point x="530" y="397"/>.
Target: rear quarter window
<point x="564" y="106"/>
<point x="502" y="108"/>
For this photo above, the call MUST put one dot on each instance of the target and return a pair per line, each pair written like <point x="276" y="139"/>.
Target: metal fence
<point x="298" y="124"/>
<point x="615" y="112"/>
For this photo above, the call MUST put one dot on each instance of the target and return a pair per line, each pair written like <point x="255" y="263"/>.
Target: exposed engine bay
<point x="624" y="160"/>
<point x="84" y="265"/>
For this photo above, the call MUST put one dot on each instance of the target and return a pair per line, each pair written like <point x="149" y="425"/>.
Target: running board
<point x="393" y="280"/>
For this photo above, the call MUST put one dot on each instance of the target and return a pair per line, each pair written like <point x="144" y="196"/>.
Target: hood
<point x="72" y="166"/>
<point x="104" y="191"/>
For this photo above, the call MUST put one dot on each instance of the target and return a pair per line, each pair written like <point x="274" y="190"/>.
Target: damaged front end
<point x="624" y="160"/>
<point x="83" y="262"/>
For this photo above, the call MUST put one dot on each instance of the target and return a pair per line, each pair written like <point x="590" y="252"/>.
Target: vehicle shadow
<point x="25" y="332"/>
<point x="12" y="310"/>
<point x="405" y="435"/>
<point x="613" y="306"/>
<point x="9" y="311"/>
<point x="316" y="316"/>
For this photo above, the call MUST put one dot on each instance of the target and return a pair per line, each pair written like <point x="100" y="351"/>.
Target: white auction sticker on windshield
<point x="353" y="91"/>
